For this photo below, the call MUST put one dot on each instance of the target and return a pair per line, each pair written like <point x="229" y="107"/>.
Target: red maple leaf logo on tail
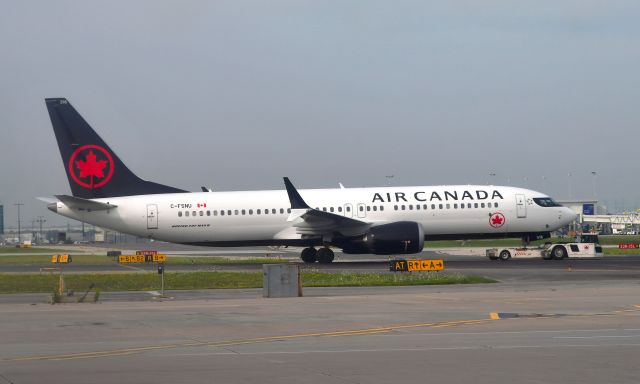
<point x="91" y="167"/>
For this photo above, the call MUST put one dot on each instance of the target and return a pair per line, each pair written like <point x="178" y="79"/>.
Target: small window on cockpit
<point x="546" y="202"/>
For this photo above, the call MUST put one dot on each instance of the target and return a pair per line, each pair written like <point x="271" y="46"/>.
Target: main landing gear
<point x="323" y="255"/>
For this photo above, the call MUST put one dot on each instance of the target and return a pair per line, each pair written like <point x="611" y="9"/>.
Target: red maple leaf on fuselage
<point x="91" y="167"/>
<point x="497" y="220"/>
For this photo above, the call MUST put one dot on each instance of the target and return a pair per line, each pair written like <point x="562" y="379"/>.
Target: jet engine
<point x="401" y="237"/>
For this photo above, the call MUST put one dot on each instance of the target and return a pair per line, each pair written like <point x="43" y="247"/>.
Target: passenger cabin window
<point x="179" y="213"/>
<point x="201" y="213"/>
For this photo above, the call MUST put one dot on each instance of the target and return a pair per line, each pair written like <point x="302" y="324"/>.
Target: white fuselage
<point x="263" y="217"/>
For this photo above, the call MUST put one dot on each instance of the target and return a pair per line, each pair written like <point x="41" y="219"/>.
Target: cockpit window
<point x="546" y="202"/>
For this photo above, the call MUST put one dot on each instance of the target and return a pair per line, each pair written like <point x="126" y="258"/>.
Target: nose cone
<point x="568" y="216"/>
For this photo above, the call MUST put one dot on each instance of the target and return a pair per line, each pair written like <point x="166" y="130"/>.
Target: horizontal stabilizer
<point x="84" y="204"/>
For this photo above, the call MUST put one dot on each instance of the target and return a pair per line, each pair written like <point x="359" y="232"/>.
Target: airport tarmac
<point x="558" y="325"/>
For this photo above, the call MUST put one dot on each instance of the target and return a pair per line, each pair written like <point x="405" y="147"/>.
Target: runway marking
<point x="374" y="350"/>
<point x="127" y="351"/>
<point x="226" y="343"/>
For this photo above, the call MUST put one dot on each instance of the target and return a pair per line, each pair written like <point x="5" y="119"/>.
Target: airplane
<point x="380" y="221"/>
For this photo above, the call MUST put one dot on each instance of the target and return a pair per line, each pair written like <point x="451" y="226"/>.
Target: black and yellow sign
<point x="146" y="253"/>
<point x="412" y="265"/>
<point x="151" y="258"/>
<point x="61" y="259"/>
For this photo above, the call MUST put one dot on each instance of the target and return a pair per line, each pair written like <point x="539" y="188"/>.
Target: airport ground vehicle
<point x="585" y="245"/>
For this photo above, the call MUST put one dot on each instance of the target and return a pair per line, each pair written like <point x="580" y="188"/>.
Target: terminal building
<point x="595" y="218"/>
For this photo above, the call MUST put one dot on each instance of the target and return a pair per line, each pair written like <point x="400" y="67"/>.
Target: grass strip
<point x="616" y="251"/>
<point x="321" y="279"/>
<point x="45" y="261"/>
<point x="22" y="251"/>
<point x="22" y="283"/>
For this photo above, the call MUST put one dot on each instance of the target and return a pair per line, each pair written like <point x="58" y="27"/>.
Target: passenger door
<point x="521" y="206"/>
<point x="152" y="216"/>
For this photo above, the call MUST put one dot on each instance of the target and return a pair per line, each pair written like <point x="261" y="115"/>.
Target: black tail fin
<point x="92" y="167"/>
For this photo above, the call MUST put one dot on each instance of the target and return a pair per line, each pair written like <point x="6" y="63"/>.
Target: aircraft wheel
<point x="559" y="252"/>
<point x="308" y="255"/>
<point x="505" y="255"/>
<point x="325" y="255"/>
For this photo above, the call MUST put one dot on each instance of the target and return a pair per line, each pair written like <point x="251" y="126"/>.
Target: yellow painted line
<point x="226" y="343"/>
<point x="127" y="351"/>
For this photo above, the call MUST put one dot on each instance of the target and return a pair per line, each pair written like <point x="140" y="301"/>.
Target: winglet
<point x="294" y="197"/>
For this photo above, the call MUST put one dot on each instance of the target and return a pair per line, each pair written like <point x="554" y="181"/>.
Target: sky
<point x="237" y="94"/>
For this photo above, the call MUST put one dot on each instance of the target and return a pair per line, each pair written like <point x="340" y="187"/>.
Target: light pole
<point x="40" y="221"/>
<point x="570" y="186"/>
<point x="19" y="234"/>
<point x="389" y="177"/>
<point x="594" y="174"/>
<point x="544" y="184"/>
<point x="492" y="175"/>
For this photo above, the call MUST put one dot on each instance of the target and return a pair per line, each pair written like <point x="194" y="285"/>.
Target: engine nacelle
<point x="401" y="237"/>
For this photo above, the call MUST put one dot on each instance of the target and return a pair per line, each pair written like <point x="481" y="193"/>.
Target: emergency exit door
<point x="152" y="216"/>
<point x="521" y="206"/>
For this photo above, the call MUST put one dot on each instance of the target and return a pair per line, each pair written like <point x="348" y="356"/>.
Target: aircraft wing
<point x="309" y="221"/>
